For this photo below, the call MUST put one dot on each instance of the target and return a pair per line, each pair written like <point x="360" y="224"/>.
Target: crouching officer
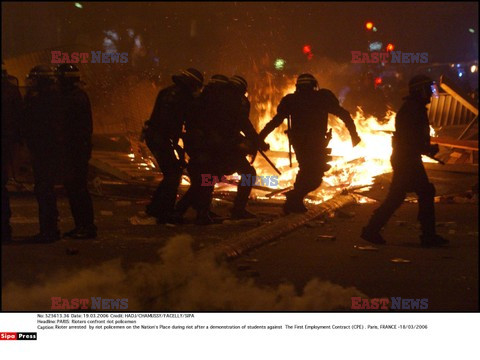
<point x="411" y="139"/>
<point x="202" y="139"/>
<point x="307" y="109"/>
<point x="78" y="129"/>
<point x="237" y="146"/>
<point x="162" y="133"/>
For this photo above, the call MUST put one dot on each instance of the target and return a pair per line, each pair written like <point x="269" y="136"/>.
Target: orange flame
<point x="351" y="167"/>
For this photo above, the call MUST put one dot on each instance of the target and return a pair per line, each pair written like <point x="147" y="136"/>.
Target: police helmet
<point x="41" y="72"/>
<point x="418" y="83"/>
<point x="68" y="71"/>
<point x="239" y="83"/>
<point x="306" y="80"/>
<point x="218" y="79"/>
<point x="192" y="77"/>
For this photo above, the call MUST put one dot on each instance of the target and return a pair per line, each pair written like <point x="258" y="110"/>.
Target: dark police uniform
<point x="217" y="148"/>
<point x="308" y="109"/>
<point x="410" y="141"/>
<point x="44" y="132"/>
<point x="202" y="142"/>
<point x="78" y="129"/>
<point x="237" y="147"/>
<point x="162" y="135"/>
<point x="12" y="114"/>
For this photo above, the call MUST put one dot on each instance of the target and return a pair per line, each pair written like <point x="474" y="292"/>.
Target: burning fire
<point x="352" y="168"/>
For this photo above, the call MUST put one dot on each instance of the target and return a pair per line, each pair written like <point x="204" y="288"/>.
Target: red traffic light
<point x="369" y="25"/>
<point x="307" y="49"/>
<point x="378" y="81"/>
<point x="390" y="47"/>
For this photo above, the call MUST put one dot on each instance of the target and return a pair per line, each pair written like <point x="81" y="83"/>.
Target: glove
<point x="264" y="146"/>
<point x="433" y="150"/>
<point x="355" y="140"/>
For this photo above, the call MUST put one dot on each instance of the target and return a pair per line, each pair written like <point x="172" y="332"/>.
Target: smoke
<point x="180" y="280"/>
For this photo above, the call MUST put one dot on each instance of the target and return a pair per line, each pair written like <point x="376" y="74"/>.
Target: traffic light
<point x="307" y="50"/>
<point x="369" y="25"/>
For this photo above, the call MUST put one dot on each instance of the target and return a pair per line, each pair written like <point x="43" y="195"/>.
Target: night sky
<point x="220" y="31"/>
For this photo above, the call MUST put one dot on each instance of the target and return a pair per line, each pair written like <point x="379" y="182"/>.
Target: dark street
<point x="448" y="276"/>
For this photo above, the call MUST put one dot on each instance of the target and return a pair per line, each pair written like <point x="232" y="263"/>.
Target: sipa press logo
<point x="18" y="336"/>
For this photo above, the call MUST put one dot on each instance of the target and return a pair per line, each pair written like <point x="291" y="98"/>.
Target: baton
<point x="269" y="162"/>
<point x="289" y="124"/>
<point x="437" y="160"/>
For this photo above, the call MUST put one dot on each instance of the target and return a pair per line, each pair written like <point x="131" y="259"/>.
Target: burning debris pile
<point x="351" y="168"/>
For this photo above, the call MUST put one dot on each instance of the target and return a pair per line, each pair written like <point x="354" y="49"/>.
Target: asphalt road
<point x="448" y="277"/>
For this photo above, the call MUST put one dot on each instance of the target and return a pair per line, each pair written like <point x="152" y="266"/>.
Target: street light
<point x="279" y="64"/>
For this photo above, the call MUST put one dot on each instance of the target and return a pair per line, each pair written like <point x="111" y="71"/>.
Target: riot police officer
<point x="43" y="131"/>
<point x="202" y="143"/>
<point x="411" y="139"/>
<point x="162" y="133"/>
<point x="237" y="146"/>
<point x="217" y="146"/>
<point x="308" y="108"/>
<point x="12" y="114"/>
<point x="77" y="137"/>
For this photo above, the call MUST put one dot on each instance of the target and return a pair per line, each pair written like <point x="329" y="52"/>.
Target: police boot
<point x="204" y="218"/>
<point x="372" y="236"/>
<point x="293" y="204"/>
<point x="84" y="232"/>
<point x="45" y="238"/>
<point x="176" y="218"/>
<point x="241" y="214"/>
<point x="432" y="240"/>
<point x="70" y="233"/>
<point x="163" y="218"/>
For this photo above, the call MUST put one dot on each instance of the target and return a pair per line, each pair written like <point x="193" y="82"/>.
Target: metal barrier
<point x="444" y="110"/>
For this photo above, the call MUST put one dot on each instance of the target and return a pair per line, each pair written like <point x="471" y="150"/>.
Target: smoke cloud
<point x="181" y="280"/>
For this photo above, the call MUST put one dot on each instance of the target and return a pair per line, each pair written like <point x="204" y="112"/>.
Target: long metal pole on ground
<point x="248" y="240"/>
